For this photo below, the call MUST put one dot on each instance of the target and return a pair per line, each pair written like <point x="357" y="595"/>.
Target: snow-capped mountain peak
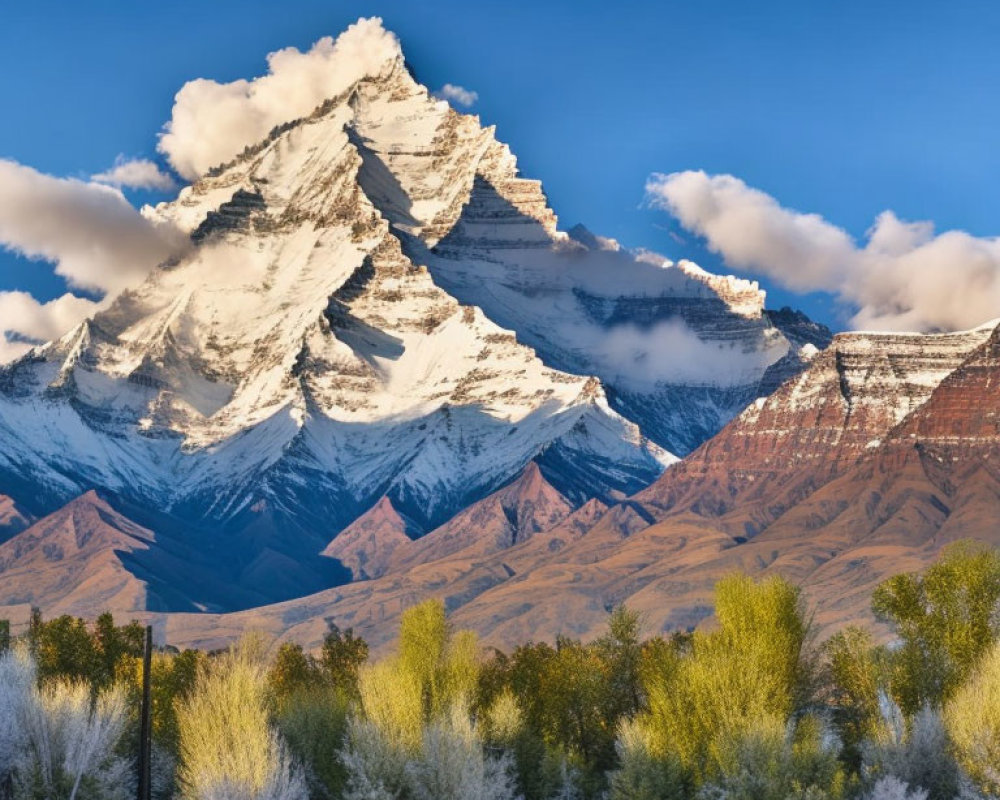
<point x="377" y="307"/>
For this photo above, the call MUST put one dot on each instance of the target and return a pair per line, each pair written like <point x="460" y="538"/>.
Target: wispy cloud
<point x="211" y="122"/>
<point x="904" y="277"/>
<point x="457" y="95"/>
<point x="669" y="352"/>
<point x="95" y="238"/>
<point x="24" y="321"/>
<point x="136" y="173"/>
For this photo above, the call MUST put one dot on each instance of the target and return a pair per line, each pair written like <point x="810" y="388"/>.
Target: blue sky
<point x="843" y="109"/>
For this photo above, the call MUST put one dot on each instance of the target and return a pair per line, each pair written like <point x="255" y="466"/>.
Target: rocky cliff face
<point x="813" y="428"/>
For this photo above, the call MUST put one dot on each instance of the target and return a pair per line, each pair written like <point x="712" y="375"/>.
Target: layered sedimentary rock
<point x="814" y="427"/>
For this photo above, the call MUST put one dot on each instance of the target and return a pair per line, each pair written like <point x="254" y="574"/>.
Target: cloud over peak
<point x="212" y="122"/>
<point x="97" y="240"/>
<point x="904" y="277"/>
<point x="137" y="173"/>
<point x="458" y="95"/>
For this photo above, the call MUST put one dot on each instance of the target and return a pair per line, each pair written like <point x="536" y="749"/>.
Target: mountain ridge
<point x="890" y="505"/>
<point x="378" y="333"/>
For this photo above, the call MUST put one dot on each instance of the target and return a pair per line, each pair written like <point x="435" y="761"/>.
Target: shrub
<point x="313" y="722"/>
<point x="856" y="676"/>
<point x="504" y="720"/>
<point x="342" y="657"/>
<point x="973" y="720"/>
<point x="453" y="766"/>
<point x="641" y="774"/>
<point x="17" y="682"/>
<point x="374" y="766"/>
<point x="573" y="698"/>
<point x="775" y="762"/>
<point x="228" y="747"/>
<point x="172" y="678"/>
<point x="70" y="743"/>
<point x="918" y="754"/>
<point x="291" y="671"/>
<point x="434" y="670"/>
<point x="541" y="773"/>
<point x="444" y="664"/>
<point x="892" y="788"/>
<point x="392" y="699"/>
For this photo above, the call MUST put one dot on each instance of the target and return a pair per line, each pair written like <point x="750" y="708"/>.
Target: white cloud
<point x="212" y="122"/>
<point x="137" y="173"/>
<point x="905" y="277"/>
<point x="92" y="235"/>
<point x="584" y="293"/>
<point x="458" y="95"/>
<point x="25" y="321"/>
<point x="672" y="352"/>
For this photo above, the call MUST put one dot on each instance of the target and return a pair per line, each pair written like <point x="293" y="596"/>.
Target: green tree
<point x="292" y="671"/>
<point x="63" y="648"/>
<point x="313" y="721"/>
<point x="946" y="620"/>
<point x="444" y="663"/>
<point x="856" y="672"/>
<point x="342" y="656"/>
<point x="434" y="669"/>
<point x="514" y="712"/>
<point x="571" y="700"/>
<point x="620" y="652"/>
<point x="422" y="691"/>
<point x="67" y="647"/>
<point x="172" y="677"/>
<point x="112" y="644"/>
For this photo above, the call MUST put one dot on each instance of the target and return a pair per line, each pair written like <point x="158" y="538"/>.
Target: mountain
<point x="528" y="505"/>
<point x="377" y="324"/>
<point x="378" y="541"/>
<point x="884" y="450"/>
<point x="681" y="351"/>
<point x="12" y="518"/>
<point x="366" y="545"/>
<point x="74" y="561"/>
<point x="813" y="428"/>
<point x="297" y="364"/>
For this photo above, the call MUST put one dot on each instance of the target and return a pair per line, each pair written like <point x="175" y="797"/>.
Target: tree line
<point x="753" y="708"/>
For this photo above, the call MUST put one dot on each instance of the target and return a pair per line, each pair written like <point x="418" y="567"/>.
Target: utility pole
<point x="145" y="721"/>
